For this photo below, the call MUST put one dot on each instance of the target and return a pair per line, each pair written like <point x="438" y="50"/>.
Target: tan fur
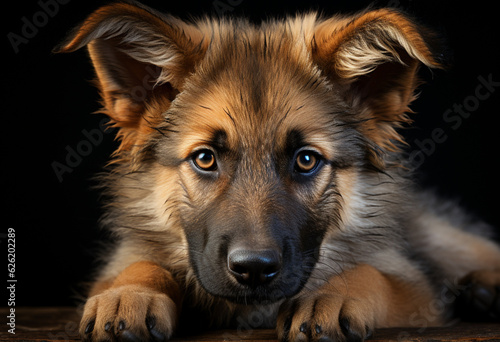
<point x="361" y="297"/>
<point x="459" y="252"/>
<point x="349" y="246"/>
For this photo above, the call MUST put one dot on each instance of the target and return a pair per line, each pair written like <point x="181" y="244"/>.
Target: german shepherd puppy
<point x="259" y="180"/>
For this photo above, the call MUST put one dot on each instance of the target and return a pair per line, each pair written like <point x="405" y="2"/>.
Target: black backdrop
<point x="47" y="100"/>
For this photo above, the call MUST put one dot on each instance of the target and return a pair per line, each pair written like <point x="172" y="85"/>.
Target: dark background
<point x="47" y="100"/>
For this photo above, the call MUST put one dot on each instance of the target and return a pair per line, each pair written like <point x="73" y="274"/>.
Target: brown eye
<point x="205" y="160"/>
<point x="306" y="162"/>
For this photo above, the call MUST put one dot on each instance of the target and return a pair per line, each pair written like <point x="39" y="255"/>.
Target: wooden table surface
<point x="61" y="324"/>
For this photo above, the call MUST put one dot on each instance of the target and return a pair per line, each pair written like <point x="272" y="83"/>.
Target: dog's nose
<point x="254" y="267"/>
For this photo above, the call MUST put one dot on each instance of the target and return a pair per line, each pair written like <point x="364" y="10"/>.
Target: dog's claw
<point x="90" y="327"/>
<point x="121" y="325"/>
<point x="150" y="322"/>
<point x="128" y="336"/>
<point x="484" y="297"/>
<point x="155" y="334"/>
<point x="325" y="339"/>
<point x="350" y="334"/>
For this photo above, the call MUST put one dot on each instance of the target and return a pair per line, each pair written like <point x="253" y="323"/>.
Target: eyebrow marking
<point x="219" y="140"/>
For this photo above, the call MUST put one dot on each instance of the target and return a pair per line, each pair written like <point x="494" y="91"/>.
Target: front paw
<point x="128" y="313"/>
<point x="323" y="317"/>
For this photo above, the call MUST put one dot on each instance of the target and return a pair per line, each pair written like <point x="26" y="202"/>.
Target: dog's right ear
<point x="141" y="58"/>
<point x="375" y="55"/>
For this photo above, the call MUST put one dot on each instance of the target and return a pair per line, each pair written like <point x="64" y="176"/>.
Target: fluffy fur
<point x="259" y="173"/>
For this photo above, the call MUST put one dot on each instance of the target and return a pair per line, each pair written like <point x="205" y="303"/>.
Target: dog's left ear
<point x="142" y="59"/>
<point x="375" y="55"/>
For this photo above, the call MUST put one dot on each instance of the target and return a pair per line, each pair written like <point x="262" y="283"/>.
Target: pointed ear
<point x="375" y="55"/>
<point x="141" y="59"/>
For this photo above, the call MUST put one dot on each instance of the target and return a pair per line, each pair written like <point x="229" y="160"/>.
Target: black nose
<point x="254" y="267"/>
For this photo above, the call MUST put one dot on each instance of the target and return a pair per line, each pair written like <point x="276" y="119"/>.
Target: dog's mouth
<point x="253" y="277"/>
<point x="261" y="294"/>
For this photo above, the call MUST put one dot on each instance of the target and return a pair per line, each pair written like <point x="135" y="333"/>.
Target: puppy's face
<point x="255" y="133"/>
<point x="258" y="144"/>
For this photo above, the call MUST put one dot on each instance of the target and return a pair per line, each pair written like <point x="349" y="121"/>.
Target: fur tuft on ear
<point x="141" y="59"/>
<point x="376" y="56"/>
<point x="362" y="43"/>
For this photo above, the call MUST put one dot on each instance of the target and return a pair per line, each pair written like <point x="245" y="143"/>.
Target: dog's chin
<point x="256" y="297"/>
<point x="261" y="295"/>
<point x="253" y="298"/>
